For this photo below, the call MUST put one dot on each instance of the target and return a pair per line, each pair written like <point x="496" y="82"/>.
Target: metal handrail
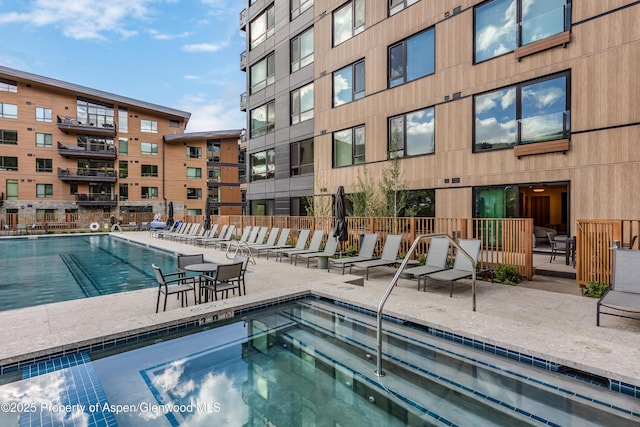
<point x="379" y="372"/>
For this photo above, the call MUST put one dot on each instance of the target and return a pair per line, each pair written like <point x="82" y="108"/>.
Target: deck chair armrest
<point x="179" y="273"/>
<point x="180" y="280"/>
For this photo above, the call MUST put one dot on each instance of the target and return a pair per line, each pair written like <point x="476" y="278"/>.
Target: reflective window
<point x="194" y="193"/>
<point x="149" y="192"/>
<point x="124" y="192"/>
<point x="302" y="104"/>
<point x="348" y="21"/>
<point x="263" y="73"/>
<point x="149" y="148"/>
<point x="396" y="6"/>
<point x="412" y="58"/>
<point x="412" y="134"/>
<point x="8" y="163"/>
<point x="348" y="84"/>
<point x="11" y="137"/>
<point x="148" y="170"/>
<point x="301" y="157"/>
<point x="7" y="85"/>
<point x="299" y="6"/>
<point x="263" y="119"/>
<point x="194" y="173"/>
<point x="43" y="114"/>
<point x="263" y="165"/>
<point x="194" y="152"/>
<point x="12" y="189"/>
<point x="94" y="113"/>
<point x="44" y="190"/>
<point x="123" y="168"/>
<point x="8" y="111"/>
<point x="123" y="120"/>
<point x="348" y="147"/>
<point x="43" y="139"/>
<point x="262" y="27"/>
<point x="302" y="50"/>
<point x="44" y="165"/>
<point x="149" y="126"/>
<point x="123" y="146"/>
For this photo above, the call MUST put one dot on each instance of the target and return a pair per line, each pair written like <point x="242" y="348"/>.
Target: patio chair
<point x="281" y="243"/>
<point x="367" y="247"/>
<point x="624" y="296"/>
<point x="227" y="277"/>
<point x="314" y="246"/>
<point x="223" y="237"/>
<point x="198" y="233"/>
<point x="193" y="231"/>
<point x="301" y="243"/>
<point x="462" y="267"/>
<point x="436" y="260"/>
<point x="271" y="240"/>
<point x="245" y="263"/>
<point x="329" y="250"/>
<point x="248" y="230"/>
<point x="388" y="257"/>
<point x="175" y="228"/>
<point x="174" y="283"/>
<point x="557" y="246"/>
<point x="184" y="260"/>
<point x="207" y="234"/>
<point x="212" y="236"/>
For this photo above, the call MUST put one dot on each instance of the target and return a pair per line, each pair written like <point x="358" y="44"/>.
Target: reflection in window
<point x="412" y="58"/>
<point x="8" y="111"/>
<point x="124" y="192"/>
<point x="7" y="85"/>
<point x="123" y="167"/>
<point x="43" y="139"/>
<point x="348" y="84"/>
<point x="123" y="146"/>
<point x="194" y="152"/>
<point x="8" y="163"/>
<point x="348" y="147"/>
<point x="531" y="112"/>
<point x="149" y="192"/>
<point x="262" y="27"/>
<point x="263" y="165"/>
<point x="149" y="148"/>
<point x="348" y="21"/>
<point x="149" y="170"/>
<point x="299" y="6"/>
<point x="194" y="193"/>
<point x="94" y="113"/>
<point x="263" y="119"/>
<point x="44" y="190"/>
<point x="263" y="73"/>
<point x="123" y="120"/>
<point x="302" y="157"/>
<point x="149" y="126"/>
<point x="412" y="134"/>
<point x="302" y="50"/>
<point x="44" y="165"/>
<point x="396" y="6"/>
<point x="302" y="104"/>
<point x="498" y="29"/>
<point x="11" y="137"/>
<point x="43" y="114"/>
<point x="194" y="173"/>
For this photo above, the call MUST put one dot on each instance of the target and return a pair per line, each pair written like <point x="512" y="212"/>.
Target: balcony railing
<point x="87" y="174"/>
<point x="243" y="19"/>
<point x="243" y="102"/>
<point x="71" y="124"/>
<point x="92" y="150"/>
<point x="97" y="199"/>
<point x="243" y="61"/>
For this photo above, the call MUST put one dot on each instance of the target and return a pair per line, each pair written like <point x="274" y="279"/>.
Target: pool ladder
<point x="396" y="277"/>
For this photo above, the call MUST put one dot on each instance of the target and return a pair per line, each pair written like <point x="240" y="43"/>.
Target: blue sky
<point x="182" y="54"/>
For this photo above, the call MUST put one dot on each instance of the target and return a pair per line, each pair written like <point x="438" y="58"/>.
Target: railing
<point x="243" y="18"/>
<point x="68" y="121"/>
<point x="379" y="372"/>
<point x="97" y="172"/>
<point x="96" y="197"/>
<point x="243" y="61"/>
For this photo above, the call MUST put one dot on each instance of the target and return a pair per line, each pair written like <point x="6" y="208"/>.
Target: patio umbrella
<point x="207" y="220"/>
<point x="170" y="214"/>
<point x="340" y="231"/>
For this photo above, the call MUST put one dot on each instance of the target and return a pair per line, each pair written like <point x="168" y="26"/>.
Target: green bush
<point x="422" y="260"/>
<point x="507" y="274"/>
<point x="596" y="289"/>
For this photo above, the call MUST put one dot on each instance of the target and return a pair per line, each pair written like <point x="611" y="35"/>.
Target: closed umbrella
<point x="340" y="231"/>
<point x="207" y="220"/>
<point x="170" y="214"/>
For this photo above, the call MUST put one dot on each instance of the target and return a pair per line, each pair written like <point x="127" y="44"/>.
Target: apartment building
<point x="495" y="108"/>
<point x="69" y="149"/>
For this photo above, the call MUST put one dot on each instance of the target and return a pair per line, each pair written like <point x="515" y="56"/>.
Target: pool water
<point x="53" y="269"/>
<point x="307" y="363"/>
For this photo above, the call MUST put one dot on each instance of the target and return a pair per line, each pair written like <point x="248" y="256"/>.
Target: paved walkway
<point x="556" y="323"/>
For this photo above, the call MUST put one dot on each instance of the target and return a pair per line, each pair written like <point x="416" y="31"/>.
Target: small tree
<point x="365" y="199"/>
<point x="394" y="190"/>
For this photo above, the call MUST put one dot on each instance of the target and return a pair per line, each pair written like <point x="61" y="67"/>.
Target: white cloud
<point x="209" y="114"/>
<point x="164" y="36"/>
<point x="204" y="47"/>
<point x="191" y="77"/>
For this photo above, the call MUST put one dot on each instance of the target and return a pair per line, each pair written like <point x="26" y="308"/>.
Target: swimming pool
<point x="310" y="362"/>
<point x="53" y="269"/>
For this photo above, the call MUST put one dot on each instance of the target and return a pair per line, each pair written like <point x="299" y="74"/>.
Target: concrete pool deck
<point x="545" y="317"/>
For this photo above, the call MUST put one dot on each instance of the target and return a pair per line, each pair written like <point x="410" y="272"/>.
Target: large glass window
<point x="263" y="165"/>
<point x="123" y="192"/>
<point x="43" y="114"/>
<point x="44" y="165"/>
<point x="94" y="113"/>
<point x="148" y="170"/>
<point x="263" y="26"/>
<point x="8" y="111"/>
<point x="149" y="148"/>
<point x="12" y="189"/>
<point x="348" y="21"/>
<point x="149" y="192"/>
<point x="8" y="163"/>
<point x="530" y="112"/>
<point x="194" y="173"/>
<point x="7" y="85"/>
<point x="263" y="119"/>
<point x="412" y="58"/>
<point x="123" y="146"/>
<point x="43" y="139"/>
<point x="348" y="83"/>
<point x="302" y="104"/>
<point x="299" y="6"/>
<point x="194" y="193"/>
<point x="503" y="25"/>
<point x="263" y="73"/>
<point x="149" y="126"/>
<point x="412" y="134"/>
<point x="348" y="147"/>
<point x="396" y="6"/>
<point x="123" y="120"/>
<point x="194" y="152"/>
<point x="44" y="190"/>
<point x="213" y="150"/>
<point x="8" y="137"/>
<point x="302" y="50"/>
<point x="123" y="168"/>
<point x="301" y="157"/>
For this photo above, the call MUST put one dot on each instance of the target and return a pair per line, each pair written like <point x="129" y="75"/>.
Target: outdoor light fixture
<point x="538" y="190"/>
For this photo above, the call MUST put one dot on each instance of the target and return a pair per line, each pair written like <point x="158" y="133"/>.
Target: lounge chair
<point x="388" y="257"/>
<point x="368" y="246"/>
<point x="207" y="234"/>
<point x="436" y="260"/>
<point x="281" y="243"/>
<point x="273" y="235"/>
<point x="174" y="283"/>
<point x="314" y="246"/>
<point x="223" y="237"/>
<point x="329" y="250"/>
<point x="243" y="238"/>
<point x="184" y="232"/>
<point x="212" y="236"/>
<point x="177" y="227"/>
<point x="301" y="243"/>
<point x="197" y="231"/>
<point x="624" y="295"/>
<point x="462" y="267"/>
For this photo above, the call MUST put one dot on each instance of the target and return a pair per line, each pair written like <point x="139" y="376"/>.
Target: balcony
<point x="87" y="175"/>
<point x="90" y="151"/>
<point x="71" y="125"/>
<point x="96" y="199"/>
<point x="243" y="19"/>
<point x="243" y="102"/>
<point x="243" y="61"/>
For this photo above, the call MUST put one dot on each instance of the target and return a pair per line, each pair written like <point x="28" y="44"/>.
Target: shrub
<point x="507" y="274"/>
<point x="422" y="260"/>
<point x="596" y="289"/>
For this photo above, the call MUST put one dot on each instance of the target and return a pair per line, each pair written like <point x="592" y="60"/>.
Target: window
<point x="148" y="170"/>
<point x="299" y="6"/>
<point x="213" y="151"/>
<point x="193" y="211"/>
<point x="44" y="190"/>
<point x="94" y="113"/>
<point x="501" y="26"/>
<point x="43" y="114"/>
<point x="123" y="169"/>
<point x="43" y="140"/>
<point x="49" y="215"/>
<point x="44" y="165"/>
<point x="263" y="119"/>
<point x="174" y="124"/>
<point x="123" y="146"/>
<point x="7" y="85"/>
<point x="302" y="104"/>
<point x="8" y="111"/>
<point x="124" y="192"/>
<point x="214" y="174"/>
<point x="263" y="73"/>
<point x="412" y="58"/>
<point x="348" y="147"/>
<point x="420" y="203"/>
<point x="123" y="120"/>
<point x="149" y="126"/>
<point x="263" y="165"/>
<point x="8" y="163"/>
<point x="194" y="173"/>
<point x="348" y="84"/>
<point x="348" y="21"/>
<point x="12" y="189"/>
<point x="302" y="50"/>
<point x="73" y="188"/>
<point x="412" y="134"/>
<point x="530" y="112"/>
<point x="149" y="192"/>
<point x="302" y="157"/>
<point x="194" y="193"/>
<point x="149" y="148"/>
<point x="9" y="137"/>
<point x="396" y="6"/>
<point x="263" y="26"/>
<point x="194" y="152"/>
